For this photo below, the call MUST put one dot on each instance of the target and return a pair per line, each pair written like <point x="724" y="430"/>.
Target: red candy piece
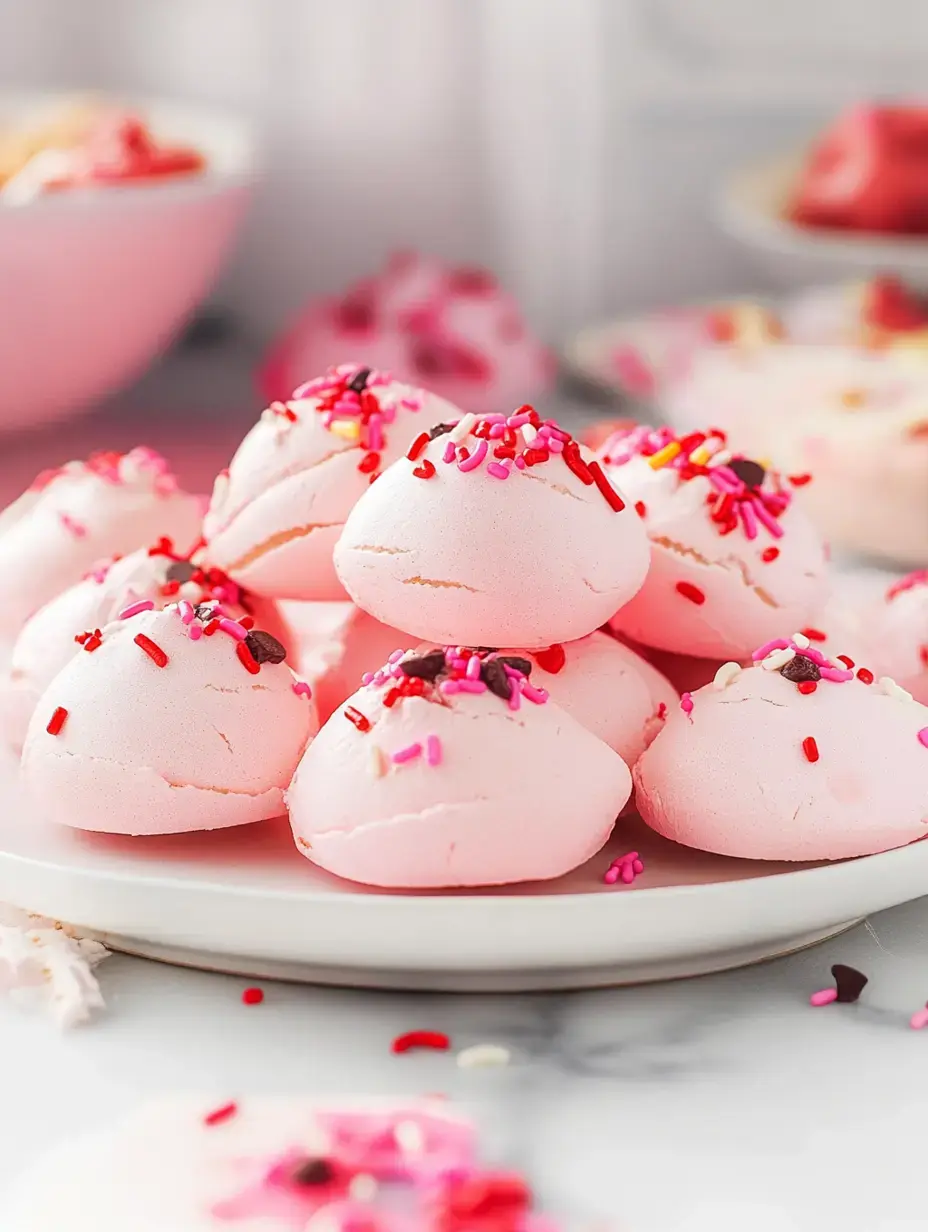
<point x="421" y="1039"/>
<point x="810" y="749"/>
<point x="691" y="592"/>
<point x="551" y="660"/>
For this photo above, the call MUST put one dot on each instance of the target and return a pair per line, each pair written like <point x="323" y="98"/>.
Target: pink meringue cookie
<point x="157" y="576"/>
<point x="276" y="513"/>
<point x="456" y="543"/>
<point x="896" y="632"/>
<point x="123" y="743"/>
<point x="457" y="786"/>
<point x="339" y="645"/>
<point x="285" y="1163"/>
<point x="452" y="329"/>
<point x="732" y="559"/>
<point x="752" y="766"/>
<point x="81" y="513"/>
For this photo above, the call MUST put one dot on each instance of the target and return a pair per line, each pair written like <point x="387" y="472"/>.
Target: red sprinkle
<point x="246" y="658"/>
<point x="571" y="455"/>
<point x="864" y="674"/>
<point x="210" y="627"/>
<point x="641" y="509"/>
<point x="769" y="554"/>
<point x="152" y="649"/>
<point x="360" y="721"/>
<point x="848" y="663"/>
<point x="425" y="469"/>
<point x="691" y="592"/>
<point x="369" y="463"/>
<point x="808" y="686"/>
<point x="923" y="655"/>
<point x="56" y="722"/>
<point x="252" y="996"/>
<point x="551" y="660"/>
<point x="810" y="748"/>
<point x="421" y="1039"/>
<point x="247" y="622"/>
<point x="417" y="446"/>
<point x="218" y="1115"/>
<point x="613" y="499"/>
<point x="800" y="481"/>
<point x="814" y="635"/>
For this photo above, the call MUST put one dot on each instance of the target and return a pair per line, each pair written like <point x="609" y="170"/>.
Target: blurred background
<point x="585" y="151"/>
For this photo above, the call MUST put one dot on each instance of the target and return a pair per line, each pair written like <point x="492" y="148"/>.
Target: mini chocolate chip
<point x="750" y="473"/>
<point x="849" y="982"/>
<point x="426" y="667"/>
<point x="518" y="663"/>
<point x="264" y="647"/>
<point x="440" y="430"/>
<point x="800" y="668"/>
<point x="358" y="382"/>
<point x="313" y="1172"/>
<point x="181" y="571"/>
<point x="206" y="611"/>
<point x="493" y="675"/>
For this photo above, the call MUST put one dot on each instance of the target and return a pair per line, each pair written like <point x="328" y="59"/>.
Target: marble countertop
<point x="720" y="1102"/>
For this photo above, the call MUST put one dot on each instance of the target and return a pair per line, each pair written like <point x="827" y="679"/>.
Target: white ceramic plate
<point x="245" y="901"/>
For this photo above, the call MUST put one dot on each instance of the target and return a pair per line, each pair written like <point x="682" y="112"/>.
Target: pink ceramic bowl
<point x="94" y="283"/>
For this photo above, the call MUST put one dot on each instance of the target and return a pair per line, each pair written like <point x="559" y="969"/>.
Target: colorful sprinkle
<point x="923" y="737"/>
<point x="726" y="674"/>
<point x="77" y="529"/>
<point x="612" y="497"/>
<point x="57" y="721"/>
<point x="357" y="719"/>
<point x="814" y="635"/>
<point x="143" y="605"/>
<point x="233" y="629"/>
<point x="865" y="675"/>
<point x="686" y="703"/>
<point x="302" y="689"/>
<point x="807" y="686"/>
<point x="799" y="481"/>
<point x="246" y="658"/>
<point x="417" y="446"/>
<point x="483" y="1056"/>
<point x="849" y="984"/>
<point x="433" y="750"/>
<point x="641" y="509"/>
<point x="810" y="749"/>
<point x="425" y="469"/>
<point x="769" y="554"/>
<point x="691" y="592"/>
<point x="919" y="1019"/>
<point x="409" y="753"/>
<point x="420" y="1039"/>
<point x="152" y="649"/>
<point x="218" y="1115"/>
<point x="252" y="996"/>
<point x="551" y="660"/>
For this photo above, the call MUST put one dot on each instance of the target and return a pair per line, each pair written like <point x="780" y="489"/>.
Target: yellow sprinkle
<point x="347" y="429"/>
<point x="700" y="456"/>
<point x="663" y="456"/>
<point x="378" y="762"/>
<point x="853" y="397"/>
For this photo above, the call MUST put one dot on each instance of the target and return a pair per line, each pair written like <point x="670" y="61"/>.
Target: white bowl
<point x="94" y="283"/>
<point x="751" y="205"/>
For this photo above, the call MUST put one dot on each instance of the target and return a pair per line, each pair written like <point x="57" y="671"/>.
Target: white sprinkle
<point x="800" y="641"/>
<point x="378" y="761"/>
<point x="726" y="674"/>
<point x="777" y="659"/>
<point x="481" y="1056"/>
<point x="529" y="432"/>
<point x="409" y="1137"/>
<point x="462" y="428"/>
<point x="891" y="689"/>
<point x="363" y="1188"/>
<point x="722" y="458"/>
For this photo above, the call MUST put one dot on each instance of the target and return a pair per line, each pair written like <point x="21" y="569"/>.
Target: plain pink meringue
<point x="452" y="329"/>
<point x="81" y="513"/>
<point x="477" y="780"/>
<point x="172" y="723"/>
<point x="480" y="543"/>
<point x="763" y="766"/>
<point x="157" y="576"/>
<point x="277" y="512"/>
<point x="896" y="634"/>
<point x="733" y="561"/>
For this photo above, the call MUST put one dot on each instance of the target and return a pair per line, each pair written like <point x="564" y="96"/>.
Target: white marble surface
<point x="712" y="1103"/>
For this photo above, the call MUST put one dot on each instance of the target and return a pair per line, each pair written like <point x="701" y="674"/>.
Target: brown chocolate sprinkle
<point x="749" y="472"/>
<point x="426" y="667"/>
<point x="849" y="983"/>
<point x="313" y="1172"/>
<point x="517" y="663"/>
<point x="264" y="647"/>
<point x="358" y="382"/>
<point x="440" y="430"/>
<point x="493" y="675"/>
<point x="800" y="668"/>
<point x="181" y="571"/>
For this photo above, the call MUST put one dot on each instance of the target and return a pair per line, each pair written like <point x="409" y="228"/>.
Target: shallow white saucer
<point x="245" y="901"/>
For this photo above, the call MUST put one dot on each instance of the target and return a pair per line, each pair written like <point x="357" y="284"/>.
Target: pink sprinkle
<point x="835" y="673"/>
<point x="554" y="444"/>
<point x="816" y="656"/>
<point x="143" y="605"/>
<point x="516" y="421"/>
<point x="497" y="471"/>
<point x="77" y="529"/>
<point x="611" y="875"/>
<point x="470" y="686"/>
<point x="923" y="737"/>
<point x="448" y="455"/>
<point x="194" y="631"/>
<point x="302" y="689"/>
<point x="686" y="703"/>
<point x="768" y="520"/>
<point x="471" y="463"/>
<point x="410" y="753"/>
<point x="233" y="628"/>
<point x="627" y="874"/>
<point x="748" y="519"/>
<point x="473" y="667"/>
<point x="538" y="696"/>
<point x="433" y="750"/>
<point x="778" y="643"/>
<point x="396" y="656"/>
<point x="825" y="997"/>
<point x="186" y="611"/>
<point x="520" y="462"/>
<point x="449" y="686"/>
<point x="919" y="1019"/>
<point x="375" y="433"/>
<point x="367" y="678"/>
<point x="515" y="699"/>
<point x="497" y="431"/>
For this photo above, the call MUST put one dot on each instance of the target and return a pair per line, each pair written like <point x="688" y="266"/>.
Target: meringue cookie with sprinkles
<point x="797" y="757"/>
<point x="500" y="530"/>
<point x="180" y="719"/>
<point x="733" y="560"/>
<point x="896" y="632"/>
<point x="73" y="621"/>
<point x="75" y="515"/>
<point x="451" y="768"/>
<point x="276" y="513"/>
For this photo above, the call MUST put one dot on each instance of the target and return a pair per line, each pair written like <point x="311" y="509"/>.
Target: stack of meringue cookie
<point x="489" y="615"/>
